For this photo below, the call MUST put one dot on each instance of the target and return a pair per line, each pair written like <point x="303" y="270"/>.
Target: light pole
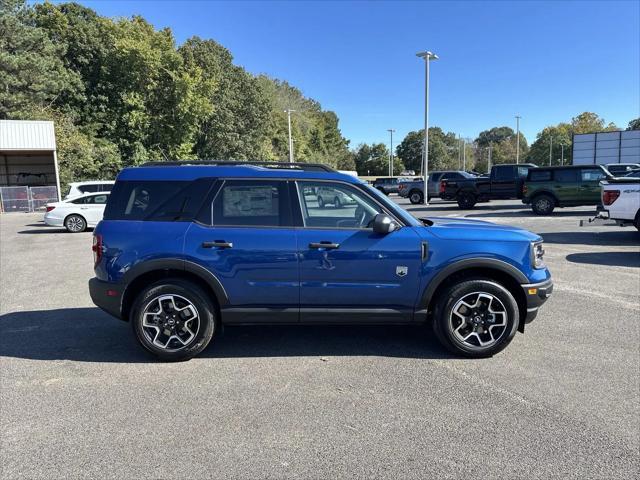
<point x="288" y="112"/>
<point x="391" y="130"/>
<point x="562" y="154"/>
<point x="459" y="153"/>
<point x="489" y="162"/>
<point x="550" y="148"/>
<point x="518" y="117"/>
<point x="464" y="155"/>
<point x="427" y="57"/>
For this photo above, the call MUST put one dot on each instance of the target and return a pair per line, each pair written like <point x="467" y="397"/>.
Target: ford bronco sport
<point x="185" y="248"/>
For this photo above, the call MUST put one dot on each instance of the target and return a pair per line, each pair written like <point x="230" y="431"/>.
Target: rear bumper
<point x="536" y="294"/>
<point x="107" y="296"/>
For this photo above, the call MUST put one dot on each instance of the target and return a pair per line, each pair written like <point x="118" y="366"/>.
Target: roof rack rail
<point x="308" y="167"/>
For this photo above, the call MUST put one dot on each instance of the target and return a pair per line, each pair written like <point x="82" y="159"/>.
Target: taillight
<point x="610" y="196"/>
<point x="442" y="186"/>
<point x="50" y="208"/>
<point x="97" y="249"/>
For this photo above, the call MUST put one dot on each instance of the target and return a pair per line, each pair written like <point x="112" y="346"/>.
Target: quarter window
<point x="536" y="175"/>
<point x="335" y="205"/>
<point x="592" y="175"/>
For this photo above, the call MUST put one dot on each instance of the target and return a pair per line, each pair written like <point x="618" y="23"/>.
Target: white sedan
<point x="76" y="214"/>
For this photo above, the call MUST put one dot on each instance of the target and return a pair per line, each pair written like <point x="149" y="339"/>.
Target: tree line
<point x="447" y="151"/>
<point x="122" y="92"/>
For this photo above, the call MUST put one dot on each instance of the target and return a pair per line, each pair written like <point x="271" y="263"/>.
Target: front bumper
<point x="107" y="296"/>
<point x="536" y="294"/>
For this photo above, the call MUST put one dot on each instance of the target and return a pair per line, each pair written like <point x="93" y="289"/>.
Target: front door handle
<point x="325" y="245"/>
<point x="217" y="244"/>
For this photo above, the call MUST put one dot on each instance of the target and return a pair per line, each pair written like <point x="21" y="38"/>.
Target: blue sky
<point x="547" y="61"/>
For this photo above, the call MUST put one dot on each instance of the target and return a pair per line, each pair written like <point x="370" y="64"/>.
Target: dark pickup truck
<point x="504" y="182"/>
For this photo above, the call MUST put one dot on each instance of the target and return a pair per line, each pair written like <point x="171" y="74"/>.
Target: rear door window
<point x="539" y="175"/>
<point x="503" y="173"/>
<point x="252" y="203"/>
<point x="566" y="176"/>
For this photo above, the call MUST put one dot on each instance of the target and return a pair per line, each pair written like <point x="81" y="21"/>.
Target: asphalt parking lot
<point x="80" y="399"/>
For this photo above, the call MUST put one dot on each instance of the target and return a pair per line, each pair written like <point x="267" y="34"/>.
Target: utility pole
<point x="464" y="155"/>
<point x="289" y="111"/>
<point x="550" y="148"/>
<point x="518" y="117"/>
<point x="562" y="154"/>
<point x="427" y="57"/>
<point x="390" y="130"/>
<point x="489" y="163"/>
<point x="459" y="153"/>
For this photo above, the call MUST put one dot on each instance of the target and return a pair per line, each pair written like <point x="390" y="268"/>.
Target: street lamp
<point x="288" y="112"/>
<point x="518" y="117"/>
<point x="427" y="57"/>
<point x="390" y="130"/>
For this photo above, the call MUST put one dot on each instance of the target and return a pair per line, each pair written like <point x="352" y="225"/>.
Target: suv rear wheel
<point x="415" y="197"/>
<point x="337" y="203"/>
<point x="174" y="319"/>
<point x="320" y="202"/>
<point x="476" y="318"/>
<point x="543" y="204"/>
<point x="466" y="200"/>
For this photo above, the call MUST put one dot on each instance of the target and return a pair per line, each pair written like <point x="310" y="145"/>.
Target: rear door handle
<point x="325" y="245"/>
<point x="217" y="244"/>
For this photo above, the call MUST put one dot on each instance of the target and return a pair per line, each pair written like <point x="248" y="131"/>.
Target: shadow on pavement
<point x="614" y="259"/>
<point x="90" y="335"/>
<point x="589" y="237"/>
<point x="529" y="213"/>
<point x="43" y="230"/>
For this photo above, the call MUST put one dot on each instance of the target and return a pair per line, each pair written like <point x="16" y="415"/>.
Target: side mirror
<point x="383" y="224"/>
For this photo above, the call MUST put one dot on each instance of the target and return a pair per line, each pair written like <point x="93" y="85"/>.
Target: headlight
<point x="537" y="254"/>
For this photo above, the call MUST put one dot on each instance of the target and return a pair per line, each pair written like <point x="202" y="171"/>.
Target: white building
<point x="28" y="154"/>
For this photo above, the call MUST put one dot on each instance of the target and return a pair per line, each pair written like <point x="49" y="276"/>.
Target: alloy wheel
<point x="75" y="224"/>
<point x="170" y="322"/>
<point x="478" y="320"/>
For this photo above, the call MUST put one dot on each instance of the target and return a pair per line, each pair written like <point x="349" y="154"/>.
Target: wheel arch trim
<point x="467" y="264"/>
<point x="181" y="265"/>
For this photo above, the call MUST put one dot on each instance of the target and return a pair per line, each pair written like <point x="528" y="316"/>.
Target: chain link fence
<point x="26" y="199"/>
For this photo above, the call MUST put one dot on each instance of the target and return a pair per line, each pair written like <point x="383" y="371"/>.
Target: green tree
<point x="372" y="160"/>
<point x="31" y="70"/>
<point x="555" y="141"/>
<point x="634" y="124"/>
<point x="503" y="144"/>
<point x="588" y="122"/>
<point x="443" y="150"/>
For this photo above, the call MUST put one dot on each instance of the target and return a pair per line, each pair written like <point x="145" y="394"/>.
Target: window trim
<point x="300" y="217"/>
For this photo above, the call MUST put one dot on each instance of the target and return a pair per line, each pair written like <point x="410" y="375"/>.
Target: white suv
<point x="80" y="188"/>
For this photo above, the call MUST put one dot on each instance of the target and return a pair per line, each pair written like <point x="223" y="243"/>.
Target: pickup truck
<point x="504" y="182"/>
<point x="621" y="199"/>
<point x="414" y="190"/>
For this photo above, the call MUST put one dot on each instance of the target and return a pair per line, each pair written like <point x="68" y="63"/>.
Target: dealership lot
<point x="79" y="398"/>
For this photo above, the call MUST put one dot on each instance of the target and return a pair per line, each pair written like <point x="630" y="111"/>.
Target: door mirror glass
<point x="383" y="224"/>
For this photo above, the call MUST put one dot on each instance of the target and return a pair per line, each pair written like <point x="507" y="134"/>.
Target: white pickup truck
<point x="621" y="199"/>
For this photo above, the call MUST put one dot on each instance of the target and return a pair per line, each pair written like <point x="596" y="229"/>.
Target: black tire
<point x="636" y="221"/>
<point x="320" y="202"/>
<point x="466" y="200"/>
<point x="337" y="203"/>
<point x="443" y="320"/>
<point x="416" y="197"/>
<point x="180" y="289"/>
<point x="543" y="204"/>
<point x="75" y="223"/>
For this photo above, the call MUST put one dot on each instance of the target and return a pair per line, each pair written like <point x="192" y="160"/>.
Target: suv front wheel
<point x="476" y="318"/>
<point x="174" y="319"/>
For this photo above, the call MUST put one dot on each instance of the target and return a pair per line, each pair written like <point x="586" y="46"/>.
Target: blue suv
<point x="187" y="247"/>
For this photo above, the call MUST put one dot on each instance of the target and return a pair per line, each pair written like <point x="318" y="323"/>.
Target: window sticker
<point x="248" y="201"/>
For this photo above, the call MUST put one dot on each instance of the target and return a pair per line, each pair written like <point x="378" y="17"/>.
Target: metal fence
<point x="26" y="199"/>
